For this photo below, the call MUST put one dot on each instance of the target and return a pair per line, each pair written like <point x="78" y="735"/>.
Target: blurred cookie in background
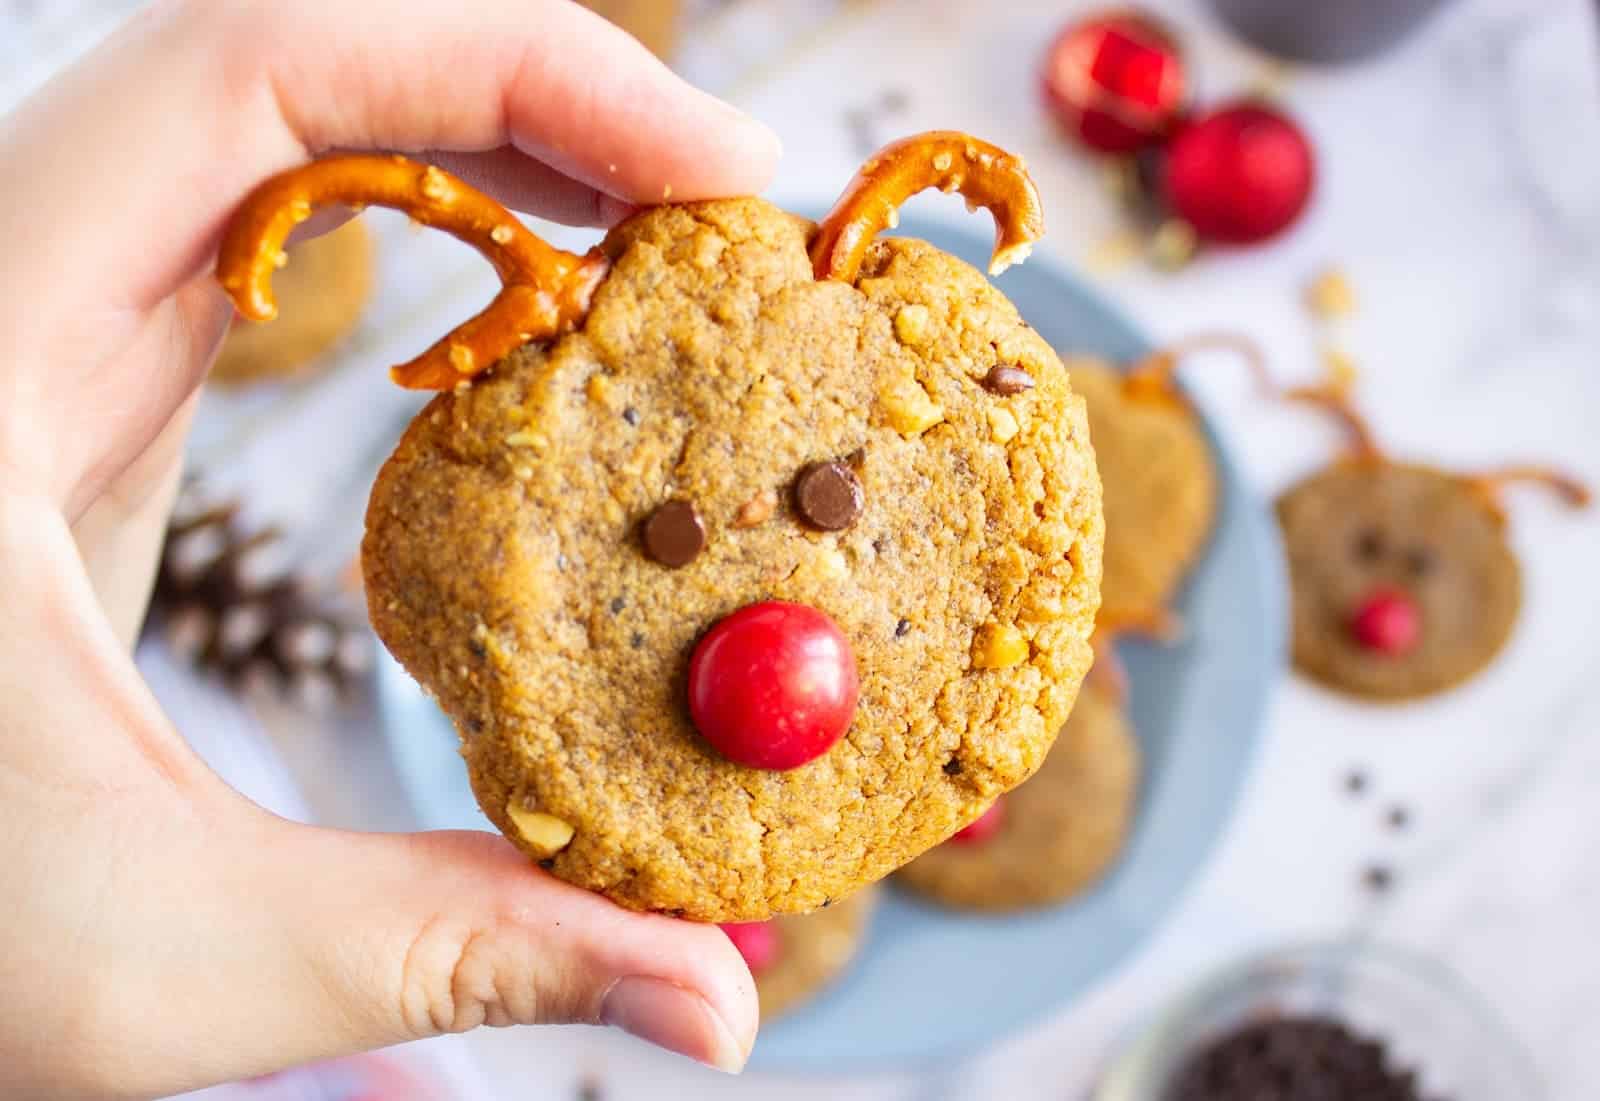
<point x="321" y="292"/>
<point x="1159" y="481"/>
<point x="653" y="22"/>
<point x="1054" y="836"/>
<point x="794" y="958"/>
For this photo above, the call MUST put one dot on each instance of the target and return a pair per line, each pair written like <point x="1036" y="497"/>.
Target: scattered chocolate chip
<point x="589" y="1090"/>
<point x="1398" y="818"/>
<point x="1419" y="562"/>
<point x="617" y="604"/>
<point x="636" y="641"/>
<point x="829" y="496"/>
<point x="547" y="863"/>
<point x="902" y="628"/>
<point x="631" y="415"/>
<point x="1005" y="380"/>
<point x="674" y="534"/>
<point x="475" y="725"/>
<point x="952" y="767"/>
<point x="1369" y="545"/>
<point x="1356" y="782"/>
<point x="1378" y="878"/>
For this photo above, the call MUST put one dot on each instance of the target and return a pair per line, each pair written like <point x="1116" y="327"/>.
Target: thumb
<point x="380" y="939"/>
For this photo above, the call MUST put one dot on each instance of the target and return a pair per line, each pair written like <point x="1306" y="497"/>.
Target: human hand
<point x="162" y="932"/>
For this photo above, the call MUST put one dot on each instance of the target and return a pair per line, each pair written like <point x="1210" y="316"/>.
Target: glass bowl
<point x="1427" y="1018"/>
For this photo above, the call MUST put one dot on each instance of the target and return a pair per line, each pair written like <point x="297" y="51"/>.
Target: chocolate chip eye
<point x="1420" y="562"/>
<point x="1369" y="545"/>
<point x="829" y="496"/>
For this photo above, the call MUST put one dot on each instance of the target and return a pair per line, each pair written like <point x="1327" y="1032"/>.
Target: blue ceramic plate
<point x="1198" y="706"/>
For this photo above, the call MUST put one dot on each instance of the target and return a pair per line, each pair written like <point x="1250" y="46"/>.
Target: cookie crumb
<point x="1330" y="296"/>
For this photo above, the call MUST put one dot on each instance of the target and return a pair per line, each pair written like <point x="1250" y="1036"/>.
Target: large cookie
<point x="1058" y="833"/>
<point x="505" y="570"/>
<point x="1160" y="487"/>
<point x="323" y="291"/>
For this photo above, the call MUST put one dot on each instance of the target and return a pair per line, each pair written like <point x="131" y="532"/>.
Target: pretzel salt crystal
<point x="951" y="161"/>
<point x="546" y="290"/>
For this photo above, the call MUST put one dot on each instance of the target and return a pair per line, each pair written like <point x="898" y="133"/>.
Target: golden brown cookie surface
<point x="1365" y="527"/>
<point x="1160" y="488"/>
<point x="1059" y="832"/>
<point x="813" y="950"/>
<point x="322" y="291"/>
<point x="505" y="568"/>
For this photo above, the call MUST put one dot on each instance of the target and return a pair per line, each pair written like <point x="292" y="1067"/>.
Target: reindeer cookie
<point x="1159" y="478"/>
<point x="1403" y="581"/>
<point x="794" y="958"/>
<point x="750" y="558"/>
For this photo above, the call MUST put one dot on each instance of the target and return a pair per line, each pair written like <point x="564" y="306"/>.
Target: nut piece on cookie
<point x="699" y="698"/>
<point x="544" y="835"/>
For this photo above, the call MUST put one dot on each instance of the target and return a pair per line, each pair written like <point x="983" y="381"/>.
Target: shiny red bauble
<point x="1388" y="622"/>
<point x="1115" y="81"/>
<point x="983" y="827"/>
<point x="773" y="685"/>
<point x="1239" y="174"/>
<point x="757" y="942"/>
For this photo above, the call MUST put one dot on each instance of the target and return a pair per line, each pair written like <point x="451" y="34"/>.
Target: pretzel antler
<point x="949" y="160"/>
<point x="546" y="291"/>
<point x="1151" y="379"/>
<point x="1573" y="493"/>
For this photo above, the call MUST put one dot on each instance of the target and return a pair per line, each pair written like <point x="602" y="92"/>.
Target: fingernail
<point x="673" y="1018"/>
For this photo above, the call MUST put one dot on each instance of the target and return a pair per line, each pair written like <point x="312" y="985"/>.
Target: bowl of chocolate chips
<point x="1326" y="1022"/>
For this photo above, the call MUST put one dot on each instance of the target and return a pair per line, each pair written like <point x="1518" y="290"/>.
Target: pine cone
<point x="226" y="601"/>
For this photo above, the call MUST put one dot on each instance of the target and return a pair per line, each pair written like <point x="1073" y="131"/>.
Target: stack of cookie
<point x="1060" y="832"/>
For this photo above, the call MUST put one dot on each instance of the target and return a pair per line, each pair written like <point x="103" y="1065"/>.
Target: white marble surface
<point x="1460" y="189"/>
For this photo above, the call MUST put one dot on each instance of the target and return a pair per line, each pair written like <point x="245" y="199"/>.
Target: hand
<point x="162" y="932"/>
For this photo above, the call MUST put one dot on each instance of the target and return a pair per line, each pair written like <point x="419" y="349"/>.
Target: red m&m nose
<point x="1388" y="622"/>
<point x="773" y="685"/>
<point x="757" y="942"/>
<point x="983" y="827"/>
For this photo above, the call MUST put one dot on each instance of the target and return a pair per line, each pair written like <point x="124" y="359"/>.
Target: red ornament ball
<point x="983" y="827"/>
<point x="757" y="942"/>
<point x="1115" y="81"/>
<point x="1239" y="174"/>
<point x="1388" y="622"/>
<point x="773" y="685"/>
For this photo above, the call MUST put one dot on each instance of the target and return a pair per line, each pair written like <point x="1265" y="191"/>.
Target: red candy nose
<point x="773" y="685"/>
<point x="1388" y="622"/>
<point x="983" y="827"/>
<point x="757" y="942"/>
